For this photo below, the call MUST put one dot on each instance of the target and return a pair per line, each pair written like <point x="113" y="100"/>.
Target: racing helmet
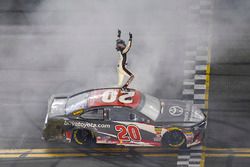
<point x="120" y="44"/>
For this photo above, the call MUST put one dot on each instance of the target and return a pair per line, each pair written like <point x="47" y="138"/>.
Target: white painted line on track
<point x="199" y="86"/>
<point x="188" y="92"/>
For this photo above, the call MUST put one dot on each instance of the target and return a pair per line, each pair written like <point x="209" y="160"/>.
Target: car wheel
<point x="82" y="137"/>
<point x="174" y="138"/>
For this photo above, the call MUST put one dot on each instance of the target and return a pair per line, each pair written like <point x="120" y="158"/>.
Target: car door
<point x="98" y="121"/>
<point x="130" y="128"/>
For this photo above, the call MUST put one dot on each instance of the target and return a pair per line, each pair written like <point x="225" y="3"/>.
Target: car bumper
<point x="197" y="135"/>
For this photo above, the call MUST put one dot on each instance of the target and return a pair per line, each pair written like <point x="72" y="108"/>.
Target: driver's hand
<point x="119" y="33"/>
<point x="130" y="35"/>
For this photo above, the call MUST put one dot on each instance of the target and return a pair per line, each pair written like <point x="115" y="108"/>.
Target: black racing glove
<point x="119" y="33"/>
<point x="130" y="36"/>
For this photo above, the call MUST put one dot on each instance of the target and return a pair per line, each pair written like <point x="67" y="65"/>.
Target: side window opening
<point x="125" y="114"/>
<point x="136" y="117"/>
<point x="94" y="114"/>
<point x="106" y="114"/>
<point x="132" y="117"/>
<point x="119" y="114"/>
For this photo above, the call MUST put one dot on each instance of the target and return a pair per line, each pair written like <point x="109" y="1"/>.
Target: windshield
<point x="151" y="107"/>
<point x="77" y="102"/>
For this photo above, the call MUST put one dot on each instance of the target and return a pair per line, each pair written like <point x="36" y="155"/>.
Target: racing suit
<point x="122" y="50"/>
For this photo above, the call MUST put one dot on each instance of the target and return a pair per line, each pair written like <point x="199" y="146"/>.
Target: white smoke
<point x="83" y="34"/>
<point x="57" y="46"/>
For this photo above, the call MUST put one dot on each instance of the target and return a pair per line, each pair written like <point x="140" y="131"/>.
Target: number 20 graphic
<point x="130" y="133"/>
<point x="111" y="96"/>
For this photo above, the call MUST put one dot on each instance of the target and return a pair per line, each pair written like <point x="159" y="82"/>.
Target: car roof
<point x="104" y="97"/>
<point x="114" y="97"/>
<point x="90" y="90"/>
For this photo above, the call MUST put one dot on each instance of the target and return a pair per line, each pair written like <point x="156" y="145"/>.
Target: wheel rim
<point x="175" y="138"/>
<point x="81" y="137"/>
<point x="84" y="136"/>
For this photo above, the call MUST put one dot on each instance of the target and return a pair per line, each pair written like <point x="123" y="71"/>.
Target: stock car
<point x="129" y="118"/>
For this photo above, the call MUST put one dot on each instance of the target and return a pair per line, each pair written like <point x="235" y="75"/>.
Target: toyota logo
<point x="176" y="110"/>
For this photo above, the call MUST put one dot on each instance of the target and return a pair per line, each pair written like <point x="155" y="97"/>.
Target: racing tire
<point x="174" y="139"/>
<point x="83" y="137"/>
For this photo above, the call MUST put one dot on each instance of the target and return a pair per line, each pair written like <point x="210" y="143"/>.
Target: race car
<point x="123" y="117"/>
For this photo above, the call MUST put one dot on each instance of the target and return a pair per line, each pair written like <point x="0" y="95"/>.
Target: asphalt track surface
<point x="227" y="138"/>
<point x="229" y="96"/>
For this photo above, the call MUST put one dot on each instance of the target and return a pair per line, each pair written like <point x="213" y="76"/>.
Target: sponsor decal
<point x="158" y="131"/>
<point x="104" y="139"/>
<point x="189" y="136"/>
<point x="78" y="112"/>
<point x="176" y="111"/>
<point x="86" y="124"/>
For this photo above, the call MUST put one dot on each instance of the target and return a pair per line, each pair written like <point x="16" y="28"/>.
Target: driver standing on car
<point x="122" y="70"/>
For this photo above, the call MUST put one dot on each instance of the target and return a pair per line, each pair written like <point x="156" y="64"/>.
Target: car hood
<point x="177" y="111"/>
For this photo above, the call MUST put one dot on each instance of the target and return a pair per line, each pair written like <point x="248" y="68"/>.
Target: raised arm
<point x="129" y="44"/>
<point x="119" y="34"/>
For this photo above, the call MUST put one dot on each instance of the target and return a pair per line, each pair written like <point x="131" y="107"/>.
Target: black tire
<point x="174" y="139"/>
<point x="82" y="137"/>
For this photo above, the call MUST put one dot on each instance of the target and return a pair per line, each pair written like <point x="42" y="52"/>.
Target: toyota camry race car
<point x="130" y="118"/>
